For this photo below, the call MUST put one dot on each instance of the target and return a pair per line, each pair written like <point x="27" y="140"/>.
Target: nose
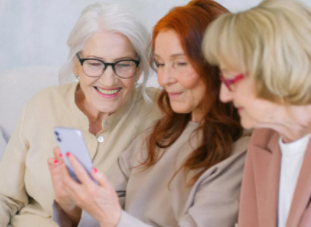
<point x="108" y="77"/>
<point x="166" y="76"/>
<point x="225" y="94"/>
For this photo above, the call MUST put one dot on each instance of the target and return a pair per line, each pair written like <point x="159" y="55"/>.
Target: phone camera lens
<point x="59" y="140"/>
<point x="56" y="133"/>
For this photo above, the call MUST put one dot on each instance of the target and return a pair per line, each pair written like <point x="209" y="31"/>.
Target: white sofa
<point x="17" y="86"/>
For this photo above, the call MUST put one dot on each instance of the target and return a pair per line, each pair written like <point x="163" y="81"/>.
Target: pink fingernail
<point x="67" y="154"/>
<point x="60" y="155"/>
<point x="95" y="170"/>
<point x="55" y="161"/>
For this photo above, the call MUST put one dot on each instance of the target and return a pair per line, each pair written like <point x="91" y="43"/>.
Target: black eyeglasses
<point x="93" y="67"/>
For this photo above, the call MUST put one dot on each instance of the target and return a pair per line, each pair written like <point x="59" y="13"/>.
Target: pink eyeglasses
<point x="229" y="82"/>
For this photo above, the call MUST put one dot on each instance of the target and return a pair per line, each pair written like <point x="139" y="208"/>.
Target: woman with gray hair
<point x="264" y="55"/>
<point x="108" y="54"/>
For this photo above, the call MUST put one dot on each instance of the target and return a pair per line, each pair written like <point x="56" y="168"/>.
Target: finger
<point x="81" y="173"/>
<point x="57" y="154"/>
<point x="101" y="179"/>
<point x="52" y="163"/>
<point x="68" y="181"/>
<point x="75" y="191"/>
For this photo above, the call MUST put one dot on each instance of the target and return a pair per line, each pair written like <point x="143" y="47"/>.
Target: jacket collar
<point x="267" y="171"/>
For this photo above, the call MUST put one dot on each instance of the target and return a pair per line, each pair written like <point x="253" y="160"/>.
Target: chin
<point x="109" y="108"/>
<point x="180" y="110"/>
<point x="246" y="124"/>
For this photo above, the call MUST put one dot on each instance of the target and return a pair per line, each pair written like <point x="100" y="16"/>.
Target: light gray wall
<point x="34" y="32"/>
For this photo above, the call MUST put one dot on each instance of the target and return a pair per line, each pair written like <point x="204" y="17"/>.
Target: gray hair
<point x="107" y="17"/>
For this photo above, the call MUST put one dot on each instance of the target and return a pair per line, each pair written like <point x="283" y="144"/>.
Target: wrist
<point x="113" y="220"/>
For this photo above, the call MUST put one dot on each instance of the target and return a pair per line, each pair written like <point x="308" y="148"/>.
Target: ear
<point x="75" y="69"/>
<point x="138" y="73"/>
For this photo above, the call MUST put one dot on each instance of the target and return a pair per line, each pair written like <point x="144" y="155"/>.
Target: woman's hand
<point x="98" y="200"/>
<point x="61" y="195"/>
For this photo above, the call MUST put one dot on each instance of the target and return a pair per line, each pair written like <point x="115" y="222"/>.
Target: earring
<point x="77" y="78"/>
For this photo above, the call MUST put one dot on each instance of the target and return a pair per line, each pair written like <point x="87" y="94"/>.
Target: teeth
<point x="107" y="92"/>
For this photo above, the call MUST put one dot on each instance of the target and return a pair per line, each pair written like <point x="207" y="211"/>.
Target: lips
<point x="108" y="93"/>
<point x="239" y="109"/>
<point x="174" y="94"/>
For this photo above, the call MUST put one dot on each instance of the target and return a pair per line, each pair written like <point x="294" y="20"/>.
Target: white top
<point x="291" y="161"/>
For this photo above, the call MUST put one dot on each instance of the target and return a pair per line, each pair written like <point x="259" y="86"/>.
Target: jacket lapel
<point x="302" y="192"/>
<point x="267" y="172"/>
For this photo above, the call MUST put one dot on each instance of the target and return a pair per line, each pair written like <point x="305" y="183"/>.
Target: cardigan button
<point x="100" y="139"/>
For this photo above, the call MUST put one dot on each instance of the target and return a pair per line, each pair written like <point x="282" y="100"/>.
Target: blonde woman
<point x="107" y="58"/>
<point x="264" y="55"/>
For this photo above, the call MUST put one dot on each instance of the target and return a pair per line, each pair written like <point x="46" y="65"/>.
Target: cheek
<point x="160" y="77"/>
<point x="195" y="85"/>
<point x="127" y="84"/>
<point x="86" y="82"/>
<point x="189" y="80"/>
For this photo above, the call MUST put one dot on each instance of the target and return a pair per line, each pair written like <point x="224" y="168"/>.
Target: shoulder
<point x="240" y="145"/>
<point x="228" y="173"/>
<point x="151" y="92"/>
<point x="137" y="151"/>
<point x="58" y="91"/>
<point x="48" y="100"/>
<point x="144" y="107"/>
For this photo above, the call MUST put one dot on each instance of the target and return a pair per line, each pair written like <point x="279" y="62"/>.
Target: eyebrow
<point x="172" y="56"/>
<point x="116" y="59"/>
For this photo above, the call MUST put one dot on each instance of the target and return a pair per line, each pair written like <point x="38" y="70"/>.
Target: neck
<point x="293" y="123"/>
<point x="196" y="116"/>
<point x="94" y="116"/>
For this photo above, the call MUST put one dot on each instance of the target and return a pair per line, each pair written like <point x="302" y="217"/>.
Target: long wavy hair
<point x="220" y="125"/>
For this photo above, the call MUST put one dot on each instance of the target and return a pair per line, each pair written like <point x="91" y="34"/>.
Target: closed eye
<point x="158" y="65"/>
<point x="182" y="63"/>
<point x="95" y="64"/>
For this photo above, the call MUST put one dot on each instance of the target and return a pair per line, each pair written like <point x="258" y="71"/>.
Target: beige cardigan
<point x="212" y="201"/>
<point x="25" y="184"/>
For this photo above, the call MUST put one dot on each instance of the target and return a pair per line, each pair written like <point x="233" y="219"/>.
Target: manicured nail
<point x="95" y="170"/>
<point x="67" y="154"/>
<point x="55" y="161"/>
<point x="60" y="155"/>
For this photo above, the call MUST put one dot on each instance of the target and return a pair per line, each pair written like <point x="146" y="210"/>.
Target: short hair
<point x="271" y="44"/>
<point x="112" y="18"/>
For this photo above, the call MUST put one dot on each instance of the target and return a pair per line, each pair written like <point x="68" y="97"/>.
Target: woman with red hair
<point x="187" y="169"/>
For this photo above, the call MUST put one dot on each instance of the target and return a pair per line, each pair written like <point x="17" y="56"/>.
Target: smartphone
<point x="71" y="140"/>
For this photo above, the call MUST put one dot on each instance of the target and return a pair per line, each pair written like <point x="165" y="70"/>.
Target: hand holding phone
<point x="71" y="140"/>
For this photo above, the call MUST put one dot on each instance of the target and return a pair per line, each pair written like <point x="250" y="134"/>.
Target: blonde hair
<point x="271" y="44"/>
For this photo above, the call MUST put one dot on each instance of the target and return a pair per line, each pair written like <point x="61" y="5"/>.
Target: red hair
<point x="220" y="125"/>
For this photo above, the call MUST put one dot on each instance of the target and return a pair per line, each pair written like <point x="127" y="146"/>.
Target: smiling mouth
<point x="174" y="94"/>
<point x="107" y="92"/>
